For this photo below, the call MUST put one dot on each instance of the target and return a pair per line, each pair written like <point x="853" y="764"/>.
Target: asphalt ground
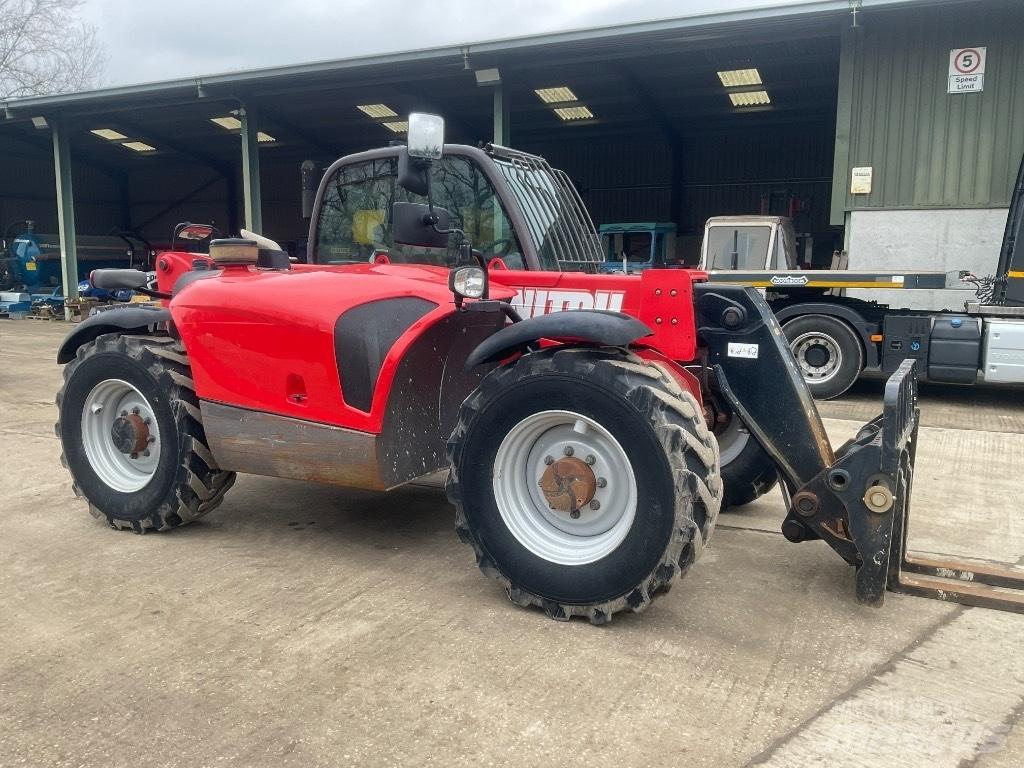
<point x="304" y="625"/>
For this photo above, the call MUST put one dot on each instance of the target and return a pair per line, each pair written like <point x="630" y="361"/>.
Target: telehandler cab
<point x="582" y="468"/>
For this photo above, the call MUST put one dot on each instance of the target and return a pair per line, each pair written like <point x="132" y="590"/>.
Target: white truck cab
<point x="748" y="243"/>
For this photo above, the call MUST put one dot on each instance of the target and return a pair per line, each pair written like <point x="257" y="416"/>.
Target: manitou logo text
<point x="531" y="302"/>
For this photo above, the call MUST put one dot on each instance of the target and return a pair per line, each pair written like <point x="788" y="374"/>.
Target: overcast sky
<point x="150" y="40"/>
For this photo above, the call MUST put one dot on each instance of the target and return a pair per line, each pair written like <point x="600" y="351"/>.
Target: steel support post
<point x="501" y="116"/>
<point x="65" y="213"/>
<point x="253" y="202"/>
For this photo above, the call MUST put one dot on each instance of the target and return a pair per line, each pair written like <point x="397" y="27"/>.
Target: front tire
<point x="828" y="353"/>
<point x="132" y="434"/>
<point x="747" y="471"/>
<point x="585" y="479"/>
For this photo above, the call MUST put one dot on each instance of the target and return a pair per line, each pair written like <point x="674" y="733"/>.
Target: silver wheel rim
<point x="804" y="343"/>
<point x="732" y="440"/>
<point x="108" y="401"/>
<point x="549" y="533"/>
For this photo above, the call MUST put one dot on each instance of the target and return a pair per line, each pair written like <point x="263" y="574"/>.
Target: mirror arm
<point x="425" y="164"/>
<point x="511" y="313"/>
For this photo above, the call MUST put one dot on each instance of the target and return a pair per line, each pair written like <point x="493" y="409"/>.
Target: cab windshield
<point x="634" y="247"/>
<point x="354" y="222"/>
<point x="742" y="248"/>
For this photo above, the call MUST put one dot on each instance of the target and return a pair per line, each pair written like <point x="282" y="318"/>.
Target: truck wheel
<point x="747" y="472"/>
<point x="132" y="434"/>
<point x="585" y="479"/>
<point x="828" y="353"/>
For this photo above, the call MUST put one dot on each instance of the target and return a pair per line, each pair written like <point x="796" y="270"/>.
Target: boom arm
<point x="857" y="498"/>
<point x="851" y="498"/>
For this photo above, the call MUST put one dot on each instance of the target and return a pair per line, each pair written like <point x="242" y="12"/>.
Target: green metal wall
<point x="930" y="149"/>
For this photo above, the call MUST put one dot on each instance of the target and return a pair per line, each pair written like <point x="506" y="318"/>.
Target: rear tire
<point x="132" y="434"/>
<point x="624" y="417"/>
<point x="828" y="353"/>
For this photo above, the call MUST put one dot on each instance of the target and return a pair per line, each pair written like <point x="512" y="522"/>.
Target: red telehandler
<point x="582" y="468"/>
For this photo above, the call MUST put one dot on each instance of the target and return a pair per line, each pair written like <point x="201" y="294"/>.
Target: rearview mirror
<point x="195" y="231"/>
<point x="426" y="136"/>
<point x="414" y="224"/>
<point x="413" y="174"/>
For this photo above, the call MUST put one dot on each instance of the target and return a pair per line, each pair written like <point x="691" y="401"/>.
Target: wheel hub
<point x="568" y="484"/>
<point x="817" y="355"/>
<point x="564" y="487"/>
<point x="130" y="433"/>
<point x="120" y="435"/>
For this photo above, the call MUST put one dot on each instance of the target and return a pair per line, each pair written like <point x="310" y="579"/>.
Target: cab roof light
<point x="378" y="111"/>
<point x="228" y="122"/>
<point x="749" y="98"/>
<point x="574" y="113"/>
<point x="558" y="94"/>
<point x="138" y="146"/>
<point x="732" y="78"/>
<point x="264" y="138"/>
<point x="108" y="133"/>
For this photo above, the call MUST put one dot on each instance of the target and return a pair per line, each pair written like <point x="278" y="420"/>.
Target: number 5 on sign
<point x="966" y="70"/>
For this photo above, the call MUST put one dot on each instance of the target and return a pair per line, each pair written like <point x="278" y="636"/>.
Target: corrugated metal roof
<point x="597" y="39"/>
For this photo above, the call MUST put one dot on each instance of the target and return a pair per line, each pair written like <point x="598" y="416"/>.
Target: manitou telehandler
<point x="582" y="469"/>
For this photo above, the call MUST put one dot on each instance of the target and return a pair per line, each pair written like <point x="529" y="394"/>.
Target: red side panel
<point x="264" y="340"/>
<point x="662" y="299"/>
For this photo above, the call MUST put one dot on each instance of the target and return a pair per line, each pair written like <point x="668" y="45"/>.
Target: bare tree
<point x="46" y="48"/>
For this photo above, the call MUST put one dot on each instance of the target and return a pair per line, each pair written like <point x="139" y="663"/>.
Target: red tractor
<point x="582" y="467"/>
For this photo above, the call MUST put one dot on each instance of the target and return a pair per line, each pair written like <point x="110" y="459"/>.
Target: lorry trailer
<point x="834" y="337"/>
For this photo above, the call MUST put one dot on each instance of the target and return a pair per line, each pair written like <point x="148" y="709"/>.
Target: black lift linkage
<point x="856" y="498"/>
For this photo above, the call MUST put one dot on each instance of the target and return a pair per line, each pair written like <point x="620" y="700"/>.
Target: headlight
<point x="469" y="282"/>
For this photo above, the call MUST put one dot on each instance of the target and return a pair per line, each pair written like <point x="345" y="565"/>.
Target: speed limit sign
<point x="966" y="70"/>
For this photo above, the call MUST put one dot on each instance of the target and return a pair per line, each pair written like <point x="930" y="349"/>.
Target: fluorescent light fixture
<point x="749" y="98"/>
<point x="378" y="111"/>
<point x="108" y="133"/>
<point x="397" y="126"/>
<point x="264" y="138"/>
<point x="40" y="122"/>
<point x="228" y="122"/>
<point x="574" y="113"/>
<point x="488" y="76"/>
<point x="735" y="77"/>
<point x="139" y="146"/>
<point x="555" y="95"/>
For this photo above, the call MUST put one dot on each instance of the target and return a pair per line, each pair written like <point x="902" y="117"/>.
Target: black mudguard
<point x="592" y="326"/>
<point x="117" y="318"/>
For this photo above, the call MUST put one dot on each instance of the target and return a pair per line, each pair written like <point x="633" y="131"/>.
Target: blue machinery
<point x="30" y="265"/>
<point x="637" y="246"/>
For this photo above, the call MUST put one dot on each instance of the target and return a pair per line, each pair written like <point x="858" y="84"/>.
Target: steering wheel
<point x="498" y="248"/>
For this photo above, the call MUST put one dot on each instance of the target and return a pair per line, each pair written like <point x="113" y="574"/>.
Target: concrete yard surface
<point x="305" y="625"/>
